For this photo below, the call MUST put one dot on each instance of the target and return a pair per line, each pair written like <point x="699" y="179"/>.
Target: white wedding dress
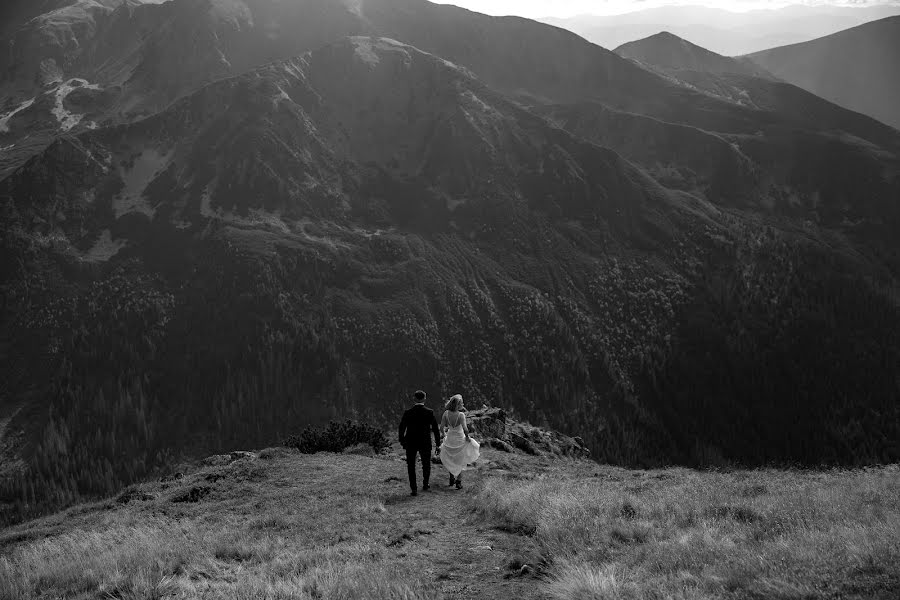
<point x="456" y="452"/>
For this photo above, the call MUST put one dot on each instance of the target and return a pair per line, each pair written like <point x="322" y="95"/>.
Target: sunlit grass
<point x="343" y="527"/>
<point x="685" y="534"/>
<point x="139" y="561"/>
<point x="277" y="529"/>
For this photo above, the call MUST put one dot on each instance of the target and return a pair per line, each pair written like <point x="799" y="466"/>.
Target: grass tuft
<point x="584" y="582"/>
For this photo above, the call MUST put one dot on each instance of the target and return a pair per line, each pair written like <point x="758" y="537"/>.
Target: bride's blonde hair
<point x="454" y="403"/>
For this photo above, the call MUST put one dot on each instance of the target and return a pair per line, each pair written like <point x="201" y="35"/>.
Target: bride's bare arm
<point x="465" y="427"/>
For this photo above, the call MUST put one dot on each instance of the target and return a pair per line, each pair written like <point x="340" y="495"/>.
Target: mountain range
<point x="726" y="32"/>
<point x="227" y="219"/>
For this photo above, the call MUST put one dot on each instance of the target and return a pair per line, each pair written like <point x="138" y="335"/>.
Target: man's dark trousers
<point x="425" y="453"/>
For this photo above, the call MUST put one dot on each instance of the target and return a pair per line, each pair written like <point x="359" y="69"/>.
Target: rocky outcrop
<point x="487" y="422"/>
<point x="535" y="440"/>
<point x="492" y="427"/>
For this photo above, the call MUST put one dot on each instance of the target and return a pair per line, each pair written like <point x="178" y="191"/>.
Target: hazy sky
<point x="564" y="8"/>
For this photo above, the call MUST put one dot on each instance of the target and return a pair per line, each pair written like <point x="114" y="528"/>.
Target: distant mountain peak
<point x="667" y="35"/>
<point x="669" y="51"/>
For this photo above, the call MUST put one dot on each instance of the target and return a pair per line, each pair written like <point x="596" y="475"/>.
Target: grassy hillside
<point x="678" y="533"/>
<point x="280" y="524"/>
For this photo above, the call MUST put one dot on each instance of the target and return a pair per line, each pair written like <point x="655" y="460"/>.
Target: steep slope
<point x="839" y="183"/>
<point x="42" y="85"/>
<point x="856" y="68"/>
<point x="790" y="157"/>
<point x="15" y="13"/>
<point x="401" y="206"/>
<point x="315" y="138"/>
<point x="132" y="58"/>
<point x="557" y="67"/>
<point x="157" y="53"/>
<point x="670" y="52"/>
<point x="47" y="39"/>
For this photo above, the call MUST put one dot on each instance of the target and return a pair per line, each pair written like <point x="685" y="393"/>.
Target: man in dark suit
<point x="416" y="428"/>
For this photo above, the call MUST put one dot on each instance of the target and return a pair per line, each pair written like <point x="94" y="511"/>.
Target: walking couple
<point x="457" y="450"/>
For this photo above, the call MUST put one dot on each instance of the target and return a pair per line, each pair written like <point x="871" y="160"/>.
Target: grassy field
<point x="290" y="526"/>
<point x="683" y="534"/>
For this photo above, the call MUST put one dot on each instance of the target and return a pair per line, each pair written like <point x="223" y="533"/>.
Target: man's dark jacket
<point x="416" y="427"/>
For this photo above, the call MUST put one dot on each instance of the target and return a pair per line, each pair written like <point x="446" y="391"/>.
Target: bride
<point x="458" y="449"/>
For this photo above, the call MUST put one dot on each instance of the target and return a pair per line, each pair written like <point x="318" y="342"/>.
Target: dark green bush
<point x="337" y="436"/>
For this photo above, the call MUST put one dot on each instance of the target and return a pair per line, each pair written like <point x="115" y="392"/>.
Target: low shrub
<point x="335" y="437"/>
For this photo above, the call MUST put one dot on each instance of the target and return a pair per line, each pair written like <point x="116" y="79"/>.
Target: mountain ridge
<point x="855" y="68"/>
<point x="669" y="51"/>
<point x="599" y="74"/>
<point x="725" y="32"/>
<point x="264" y="85"/>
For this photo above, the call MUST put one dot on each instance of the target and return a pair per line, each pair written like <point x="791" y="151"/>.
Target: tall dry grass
<point x="685" y="534"/>
<point x="131" y="561"/>
<point x="261" y="558"/>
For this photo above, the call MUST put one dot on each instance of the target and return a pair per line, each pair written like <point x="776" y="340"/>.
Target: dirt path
<point x="467" y="556"/>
